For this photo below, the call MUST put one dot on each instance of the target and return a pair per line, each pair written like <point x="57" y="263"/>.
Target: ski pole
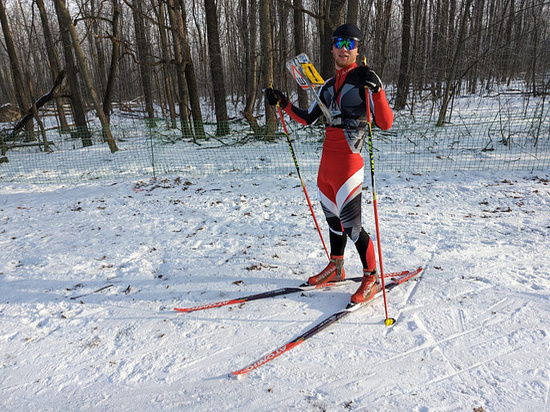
<point x="300" y="177"/>
<point x="389" y="321"/>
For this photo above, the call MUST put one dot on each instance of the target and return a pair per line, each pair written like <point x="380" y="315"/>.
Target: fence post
<point x="150" y="124"/>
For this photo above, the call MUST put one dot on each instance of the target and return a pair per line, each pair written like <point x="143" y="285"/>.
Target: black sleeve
<point x="305" y="116"/>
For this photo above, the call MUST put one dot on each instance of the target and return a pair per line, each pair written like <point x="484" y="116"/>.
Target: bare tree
<point x="187" y="82"/>
<point x="352" y="15"/>
<point x="115" y="56"/>
<point x="178" y="38"/>
<point x="299" y="46"/>
<point x="65" y="20"/>
<point x="5" y="84"/>
<point x="383" y="25"/>
<point x="266" y="62"/>
<point x="216" y="67"/>
<point x="21" y="91"/>
<point x="32" y="112"/>
<point x="535" y="44"/>
<point x="453" y="69"/>
<point x="53" y="59"/>
<point x="143" y="52"/>
<point x="248" y="30"/>
<point x="333" y="11"/>
<point x="404" y="77"/>
<point x="77" y="105"/>
<point x="477" y="32"/>
<point x="415" y="45"/>
<point x="165" y="50"/>
<point x="96" y="47"/>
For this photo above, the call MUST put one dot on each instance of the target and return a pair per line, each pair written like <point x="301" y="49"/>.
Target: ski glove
<point x="274" y="96"/>
<point x="369" y="78"/>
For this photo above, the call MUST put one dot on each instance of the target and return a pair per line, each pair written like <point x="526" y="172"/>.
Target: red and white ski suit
<point x="341" y="171"/>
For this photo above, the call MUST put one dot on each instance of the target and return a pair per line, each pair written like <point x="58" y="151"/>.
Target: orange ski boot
<point x="332" y="273"/>
<point x="370" y="285"/>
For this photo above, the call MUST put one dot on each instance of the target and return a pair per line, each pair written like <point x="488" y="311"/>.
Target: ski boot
<point x="332" y="273"/>
<point x="370" y="285"/>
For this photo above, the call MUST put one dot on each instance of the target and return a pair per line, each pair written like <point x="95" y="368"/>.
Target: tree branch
<point x="37" y="105"/>
<point x="302" y="10"/>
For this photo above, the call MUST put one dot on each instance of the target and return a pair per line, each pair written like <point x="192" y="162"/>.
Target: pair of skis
<point x="308" y="78"/>
<point x="394" y="279"/>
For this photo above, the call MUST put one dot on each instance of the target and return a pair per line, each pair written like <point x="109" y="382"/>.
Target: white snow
<point x="471" y="333"/>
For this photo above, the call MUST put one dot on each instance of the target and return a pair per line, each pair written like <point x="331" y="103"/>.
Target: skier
<point x="340" y="176"/>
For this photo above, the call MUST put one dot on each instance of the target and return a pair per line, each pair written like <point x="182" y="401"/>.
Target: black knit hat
<point x="348" y="30"/>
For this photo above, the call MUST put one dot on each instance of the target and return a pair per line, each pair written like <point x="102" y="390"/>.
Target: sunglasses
<point x="348" y="43"/>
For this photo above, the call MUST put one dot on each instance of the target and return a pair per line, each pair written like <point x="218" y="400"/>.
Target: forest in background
<point x="169" y="55"/>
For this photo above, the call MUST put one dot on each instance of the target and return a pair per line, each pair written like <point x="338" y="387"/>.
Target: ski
<point x="283" y="291"/>
<point x="335" y="317"/>
<point x="307" y="78"/>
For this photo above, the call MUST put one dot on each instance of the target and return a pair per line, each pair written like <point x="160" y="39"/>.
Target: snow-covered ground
<point x="473" y="332"/>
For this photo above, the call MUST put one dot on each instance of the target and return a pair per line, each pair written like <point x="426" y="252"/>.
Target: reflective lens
<point x="346" y="42"/>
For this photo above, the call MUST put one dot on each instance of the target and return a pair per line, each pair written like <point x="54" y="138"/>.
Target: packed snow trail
<point x="473" y="333"/>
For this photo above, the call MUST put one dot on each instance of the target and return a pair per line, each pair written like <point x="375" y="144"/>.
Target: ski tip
<point x="185" y="310"/>
<point x="236" y="376"/>
<point x="390" y="321"/>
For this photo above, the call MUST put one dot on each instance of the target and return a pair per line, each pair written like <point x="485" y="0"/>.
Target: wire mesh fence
<point x="502" y="133"/>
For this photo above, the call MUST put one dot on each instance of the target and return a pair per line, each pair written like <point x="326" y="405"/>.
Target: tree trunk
<point x="193" y="90"/>
<point x="266" y="56"/>
<point x="21" y="91"/>
<point x="176" y="22"/>
<point x="216" y="67"/>
<point x="248" y="32"/>
<point x="5" y="84"/>
<point x="281" y="47"/>
<point x="33" y="110"/>
<point x="381" y="57"/>
<point x="115" y="54"/>
<point x="165" y="49"/>
<point x="534" y="47"/>
<point x="473" y="76"/>
<point x="96" y="46"/>
<point x="404" y="77"/>
<point x="419" y="47"/>
<point x="143" y="53"/>
<point x="30" y="59"/>
<point x="352" y="15"/>
<point x="440" y="48"/>
<point x="66" y="18"/>
<point x="79" y="114"/>
<point x="450" y="81"/>
<point x="187" y="82"/>
<point x="299" y="47"/>
<point x="55" y="66"/>
<point x="334" y="17"/>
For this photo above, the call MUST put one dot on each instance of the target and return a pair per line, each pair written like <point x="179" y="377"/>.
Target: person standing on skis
<point x="341" y="170"/>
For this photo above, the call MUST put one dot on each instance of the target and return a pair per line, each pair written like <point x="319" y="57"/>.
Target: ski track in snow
<point x="472" y="332"/>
